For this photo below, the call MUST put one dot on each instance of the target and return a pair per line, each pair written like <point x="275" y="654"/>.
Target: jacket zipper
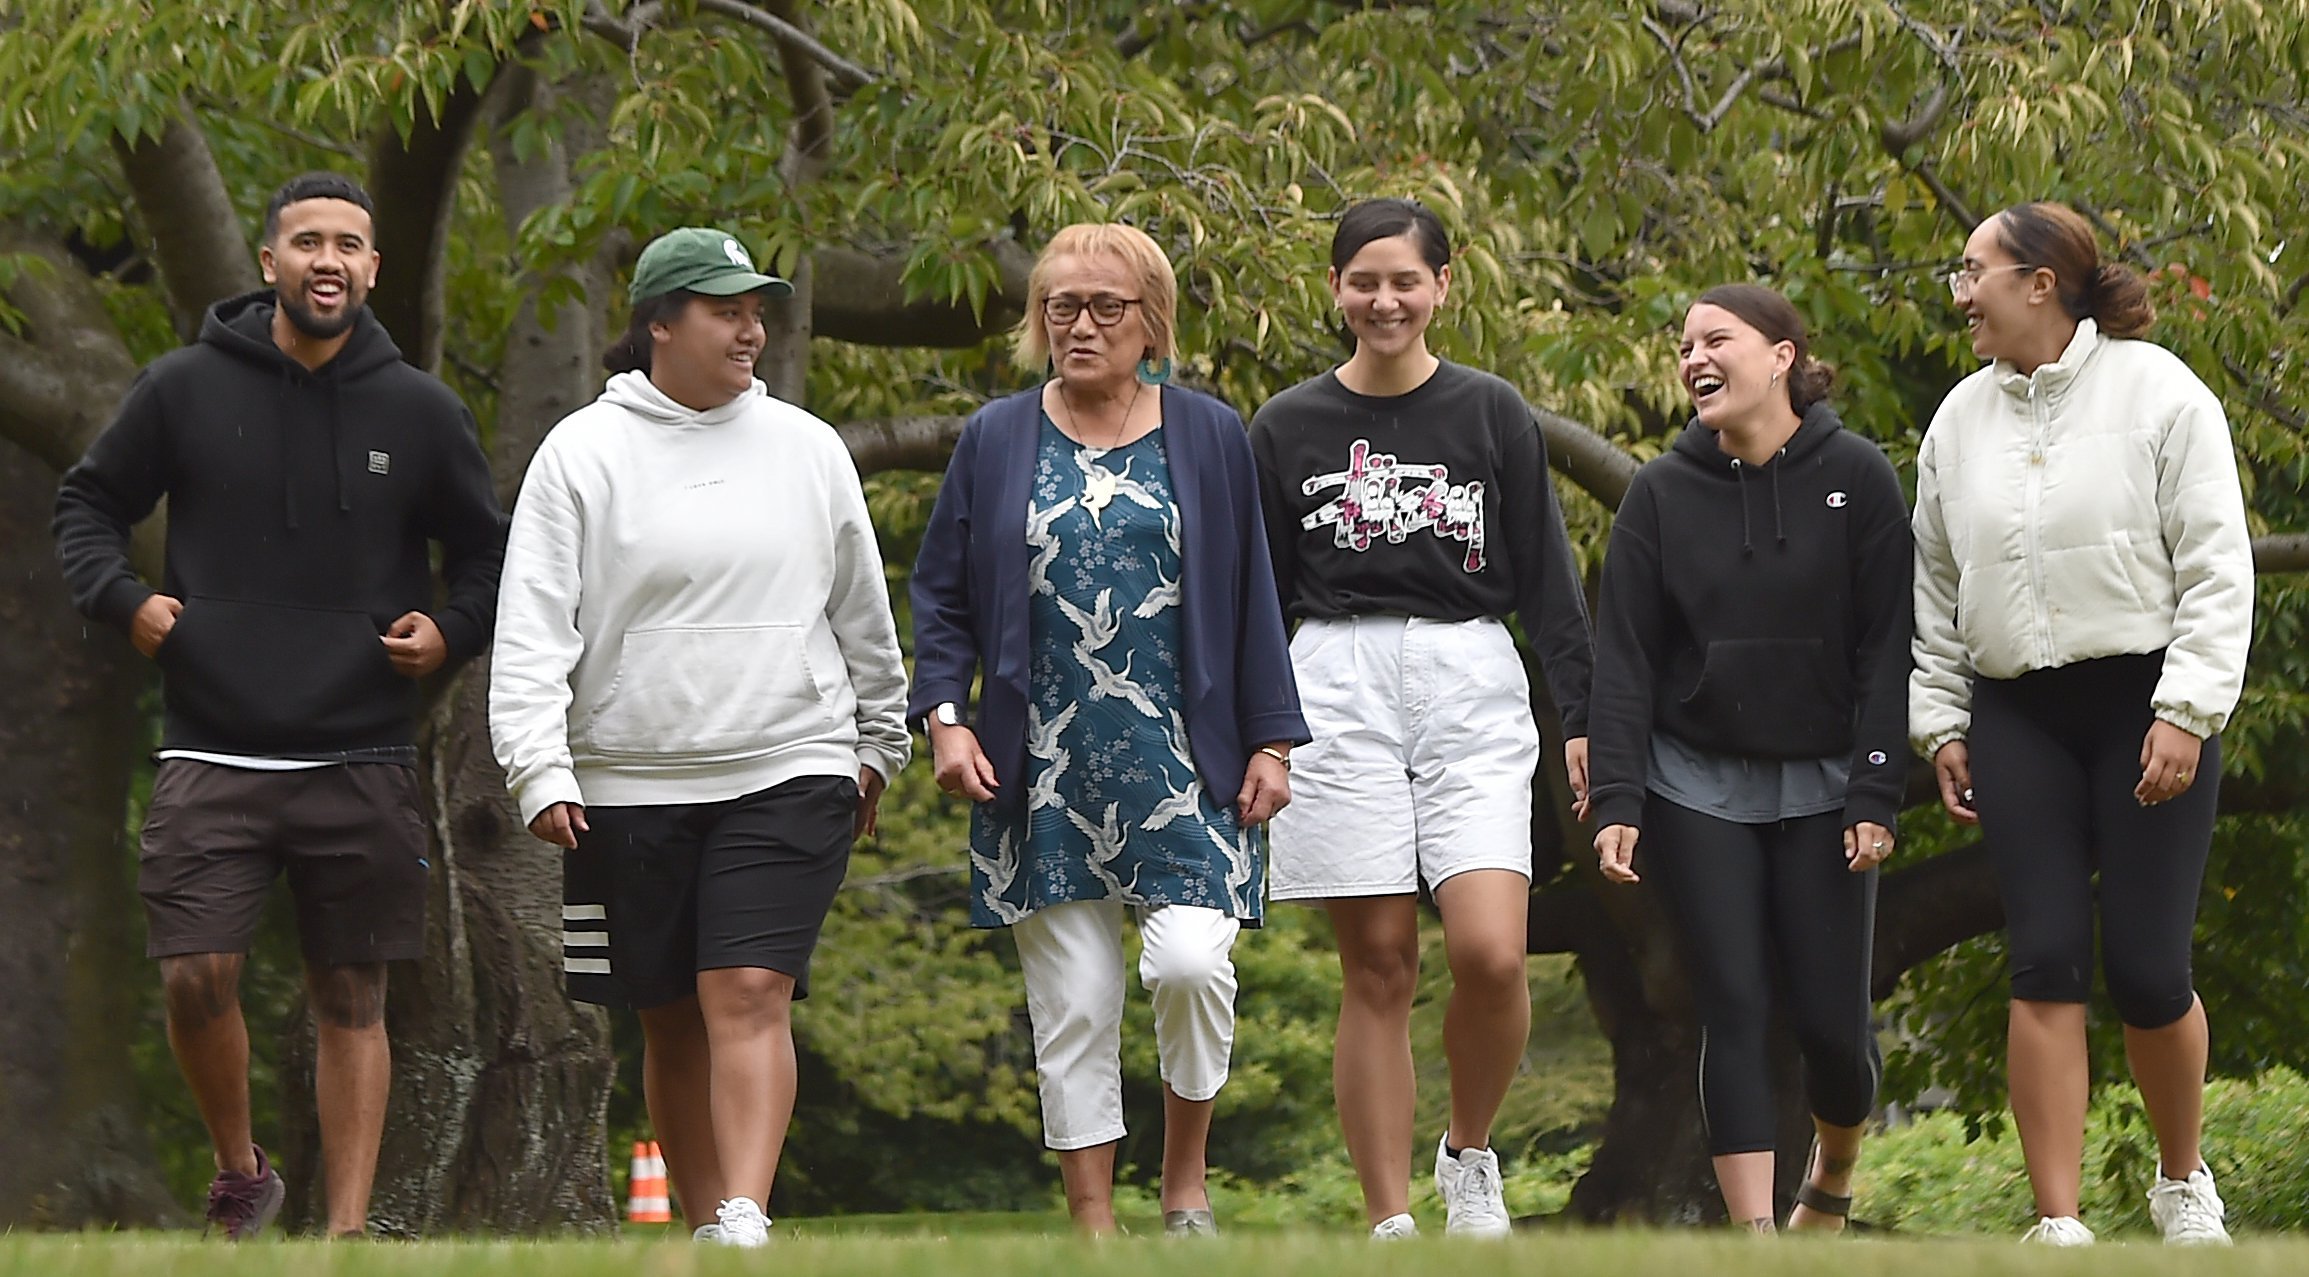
<point x="2032" y="502"/>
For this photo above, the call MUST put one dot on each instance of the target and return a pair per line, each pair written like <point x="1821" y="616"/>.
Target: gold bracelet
<point x="1276" y="754"/>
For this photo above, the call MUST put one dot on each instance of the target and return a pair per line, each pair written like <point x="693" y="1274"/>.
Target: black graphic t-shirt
<point x="1434" y="504"/>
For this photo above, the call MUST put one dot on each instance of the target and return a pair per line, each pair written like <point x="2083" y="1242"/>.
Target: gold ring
<point x="1876" y="846"/>
<point x="2183" y="777"/>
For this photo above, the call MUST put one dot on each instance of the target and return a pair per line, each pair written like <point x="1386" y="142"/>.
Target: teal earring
<point x="1153" y="371"/>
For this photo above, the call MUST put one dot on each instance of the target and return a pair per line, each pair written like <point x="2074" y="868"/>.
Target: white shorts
<point x="1422" y="761"/>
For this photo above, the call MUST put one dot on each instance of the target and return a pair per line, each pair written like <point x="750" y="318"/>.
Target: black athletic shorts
<point x="653" y="895"/>
<point x="350" y="836"/>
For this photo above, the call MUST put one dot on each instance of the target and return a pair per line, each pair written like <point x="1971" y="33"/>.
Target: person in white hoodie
<point x="2084" y="601"/>
<point x="697" y="690"/>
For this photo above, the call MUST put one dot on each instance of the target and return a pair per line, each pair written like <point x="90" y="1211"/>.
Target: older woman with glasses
<point x="1097" y="556"/>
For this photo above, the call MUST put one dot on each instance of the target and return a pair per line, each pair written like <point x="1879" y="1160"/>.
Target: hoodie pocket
<point x="709" y="689"/>
<point x="267" y="675"/>
<point x="1773" y="698"/>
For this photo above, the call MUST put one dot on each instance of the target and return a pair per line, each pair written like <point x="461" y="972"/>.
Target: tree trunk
<point x="69" y="974"/>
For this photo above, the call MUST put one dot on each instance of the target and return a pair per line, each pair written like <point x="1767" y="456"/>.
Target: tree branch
<point x="1927" y="908"/>
<point x="2288" y="552"/>
<point x="784" y="364"/>
<point x="848" y="75"/>
<point x="197" y="237"/>
<point x="861" y="297"/>
<point x="414" y="183"/>
<point x="58" y="385"/>
<point x="901" y="443"/>
<point x="1142" y="35"/>
<point x="1599" y="467"/>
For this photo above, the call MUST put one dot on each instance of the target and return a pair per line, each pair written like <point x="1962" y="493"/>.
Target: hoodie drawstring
<point x="1740" y="474"/>
<point x="281" y="429"/>
<point x="337" y="443"/>
<point x="283" y="414"/>
<point x="1779" y="529"/>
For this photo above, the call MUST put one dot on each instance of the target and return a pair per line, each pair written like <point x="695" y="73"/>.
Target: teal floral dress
<point x="1114" y="807"/>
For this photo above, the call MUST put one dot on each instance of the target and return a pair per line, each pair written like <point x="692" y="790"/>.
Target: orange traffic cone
<point x="646" y="1198"/>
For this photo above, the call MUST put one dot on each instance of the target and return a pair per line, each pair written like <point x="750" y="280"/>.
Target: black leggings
<point x="2055" y="756"/>
<point x="1748" y="901"/>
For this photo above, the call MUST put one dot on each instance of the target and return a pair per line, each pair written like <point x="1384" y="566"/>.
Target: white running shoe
<point x="2064" y="1230"/>
<point x="1394" y="1228"/>
<point x="743" y="1223"/>
<point x="707" y="1234"/>
<point x="2188" y="1212"/>
<point x="1474" y="1201"/>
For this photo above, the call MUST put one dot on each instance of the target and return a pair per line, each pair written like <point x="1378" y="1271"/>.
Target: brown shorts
<point x="351" y="836"/>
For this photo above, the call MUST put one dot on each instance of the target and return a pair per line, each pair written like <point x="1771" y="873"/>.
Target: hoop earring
<point x="1153" y="371"/>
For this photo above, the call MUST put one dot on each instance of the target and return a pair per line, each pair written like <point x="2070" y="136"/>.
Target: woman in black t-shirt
<point x="1408" y="511"/>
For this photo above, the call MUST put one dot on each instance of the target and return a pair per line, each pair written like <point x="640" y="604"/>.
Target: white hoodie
<point x="2089" y="509"/>
<point x="692" y="609"/>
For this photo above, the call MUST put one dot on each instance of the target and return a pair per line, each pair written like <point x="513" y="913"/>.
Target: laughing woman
<point x="2080" y="496"/>
<point x="697" y="691"/>
<point x="1750" y="718"/>
<point x="1096" y="555"/>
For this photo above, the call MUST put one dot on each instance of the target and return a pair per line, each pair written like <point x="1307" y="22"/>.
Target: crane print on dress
<point x="1384" y="498"/>
<point x="1111" y="805"/>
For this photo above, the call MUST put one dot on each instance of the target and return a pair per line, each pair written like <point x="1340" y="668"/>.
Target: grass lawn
<point x="964" y="1246"/>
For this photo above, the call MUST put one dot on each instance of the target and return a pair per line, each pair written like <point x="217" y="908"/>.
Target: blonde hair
<point x="1158" y="285"/>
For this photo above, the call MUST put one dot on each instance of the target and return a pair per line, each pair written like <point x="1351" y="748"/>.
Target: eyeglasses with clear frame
<point x="1964" y="279"/>
<point x="1106" y="309"/>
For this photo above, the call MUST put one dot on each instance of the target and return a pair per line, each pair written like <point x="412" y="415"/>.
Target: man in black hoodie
<point x="307" y="470"/>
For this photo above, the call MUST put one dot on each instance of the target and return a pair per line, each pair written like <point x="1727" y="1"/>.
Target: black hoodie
<point x="300" y="505"/>
<point x="1757" y="612"/>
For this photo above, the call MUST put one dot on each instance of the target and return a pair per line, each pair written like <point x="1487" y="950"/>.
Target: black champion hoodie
<point x="1757" y="611"/>
<point x="300" y="505"/>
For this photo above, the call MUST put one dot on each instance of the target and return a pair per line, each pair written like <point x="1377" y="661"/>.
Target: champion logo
<point x="1876" y="756"/>
<point x="380" y="463"/>
<point x="737" y="255"/>
<point x="1836" y="500"/>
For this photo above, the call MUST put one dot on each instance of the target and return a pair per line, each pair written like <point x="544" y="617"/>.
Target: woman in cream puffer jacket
<point x="2084" y="600"/>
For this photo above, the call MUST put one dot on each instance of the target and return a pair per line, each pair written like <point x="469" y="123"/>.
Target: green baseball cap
<point x="702" y="260"/>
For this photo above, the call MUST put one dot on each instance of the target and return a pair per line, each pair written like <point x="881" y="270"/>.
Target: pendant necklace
<point x="1100" y="483"/>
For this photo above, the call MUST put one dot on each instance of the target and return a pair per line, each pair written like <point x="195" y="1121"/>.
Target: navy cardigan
<point x="970" y="591"/>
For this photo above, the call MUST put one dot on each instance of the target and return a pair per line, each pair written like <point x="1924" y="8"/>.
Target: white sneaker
<point x="1474" y="1202"/>
<point x="2064" y="1230"/>
<point x="743" y="1223"/>
<point x="2187" y="1211"/>
<point x="707" y="1234"/>
<point x="1394" y="1228"/>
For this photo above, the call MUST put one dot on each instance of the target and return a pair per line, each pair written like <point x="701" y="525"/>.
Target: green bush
<point x="1929" y="1177"/>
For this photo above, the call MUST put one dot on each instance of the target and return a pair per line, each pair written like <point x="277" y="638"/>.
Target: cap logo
<point x="1836" y="500"/>
<point x="1876" y="756"/>
<point x="737" y="255"/>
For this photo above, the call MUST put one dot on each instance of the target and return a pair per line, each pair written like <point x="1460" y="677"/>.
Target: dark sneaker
<point x="242" y="1205"/>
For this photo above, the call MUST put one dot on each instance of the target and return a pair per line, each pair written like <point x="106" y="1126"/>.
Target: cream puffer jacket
<point x="2089" y="509"/>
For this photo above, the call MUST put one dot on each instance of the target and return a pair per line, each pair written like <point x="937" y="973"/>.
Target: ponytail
<point x="2119" y="301"/>
<point x="631" y="352"/>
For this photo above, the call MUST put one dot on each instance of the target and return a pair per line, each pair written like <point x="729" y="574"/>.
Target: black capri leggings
<point x="1749" y="901"/>
<point x="2055" y="756"/>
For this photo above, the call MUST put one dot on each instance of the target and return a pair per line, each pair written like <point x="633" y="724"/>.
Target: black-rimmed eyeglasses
<point x="1106" y="309"/>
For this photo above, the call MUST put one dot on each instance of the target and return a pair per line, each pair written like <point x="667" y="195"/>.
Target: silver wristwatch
<point x="948" y="714"/>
